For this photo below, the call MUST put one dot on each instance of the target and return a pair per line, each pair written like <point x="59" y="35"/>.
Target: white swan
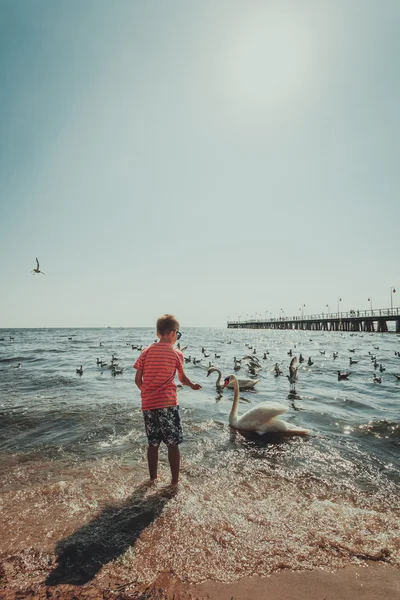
<point x="244" y="384"/>
<point x="262" y="418"/>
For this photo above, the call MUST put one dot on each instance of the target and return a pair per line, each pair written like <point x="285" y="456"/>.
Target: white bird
<point x="293" y="368"/>
<point x="37" y="270"/>
<point x="262" y="418"/>
<point x="244" y="384"/>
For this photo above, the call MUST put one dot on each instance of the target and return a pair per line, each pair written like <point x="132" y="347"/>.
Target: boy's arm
<point x="139" y="378"/>
<point x="184" y="379"/>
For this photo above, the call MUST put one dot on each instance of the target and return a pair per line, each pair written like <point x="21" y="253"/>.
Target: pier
<point x="355" y="320"/>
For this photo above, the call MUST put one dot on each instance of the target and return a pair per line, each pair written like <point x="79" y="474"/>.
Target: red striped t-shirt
<point x="159" y="363"/>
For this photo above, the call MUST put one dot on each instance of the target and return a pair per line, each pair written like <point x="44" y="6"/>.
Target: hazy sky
<point x="211" y="159"/>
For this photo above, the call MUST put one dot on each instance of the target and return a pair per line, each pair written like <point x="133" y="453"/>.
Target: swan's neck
<point x="233" y="415"/>
<point x="218" y="382"/>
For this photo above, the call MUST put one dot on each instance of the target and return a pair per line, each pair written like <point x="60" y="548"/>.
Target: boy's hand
<point x="195" y="386"/>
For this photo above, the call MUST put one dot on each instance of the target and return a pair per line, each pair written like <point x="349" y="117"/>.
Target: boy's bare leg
<point x="152" y="459"/>
<point x="174" y="457"/>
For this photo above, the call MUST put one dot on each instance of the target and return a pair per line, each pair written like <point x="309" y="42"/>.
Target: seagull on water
<point x="37" y="270"/>
<point x="293" y="368"/>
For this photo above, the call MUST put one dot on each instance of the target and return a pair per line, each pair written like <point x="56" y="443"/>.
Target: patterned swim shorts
<point x="163" y="425"/>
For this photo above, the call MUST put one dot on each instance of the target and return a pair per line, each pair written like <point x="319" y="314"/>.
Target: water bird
<point x="277" y="370"/>
<point x="301" y="358"/>
<point x="244" y="384"/>
<point x="253" y="370"/>
<point x="265" y="355"/>
<point x="217" y="355"/>
<point x="262" y="418"/>
<point x="206" y="355"/>
<point x="293" y="373"/>
<point x="382" y="368"/>
<point x="376" y="347"/>
<point x="290" y="352"/>
<point x="37" y="270"/>
<point x="310" y="362"/>
<point x="196" y="361"/>
<point x="397" y="376"/>
<point x="377" y="379"/>
<point x="116" y="371"/>
<point x="352" y="350"/>
<point x="335" y="355"/>
<point x="322" y="351"/>
<point x="80" y="371"/>
<point x="343" y="376"/>
<point x="18" y="366"/>
<point x="188" y="359"/>
<point x="236" y="366"/>
<point x="353" y="362"/>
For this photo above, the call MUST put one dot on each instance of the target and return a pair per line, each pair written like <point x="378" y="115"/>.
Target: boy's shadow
<point x="81" y="555"/>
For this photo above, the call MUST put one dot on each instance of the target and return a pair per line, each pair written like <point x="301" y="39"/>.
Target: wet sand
<point x="99" y="530"/>
<point x="371" y="581"/>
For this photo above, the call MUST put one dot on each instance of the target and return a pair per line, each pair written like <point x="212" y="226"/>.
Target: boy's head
<point x="167" y="328"/>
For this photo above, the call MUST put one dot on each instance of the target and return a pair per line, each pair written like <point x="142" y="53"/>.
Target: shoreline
<point x="369" y="580"/>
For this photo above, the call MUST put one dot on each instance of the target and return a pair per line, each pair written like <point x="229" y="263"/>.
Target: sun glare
<point x="268" y="65"/>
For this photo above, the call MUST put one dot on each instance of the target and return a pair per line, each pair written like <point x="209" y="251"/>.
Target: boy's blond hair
<point x="167" y="323"/>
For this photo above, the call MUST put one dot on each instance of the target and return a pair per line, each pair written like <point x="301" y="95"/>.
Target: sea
<point x="76" y="505"/>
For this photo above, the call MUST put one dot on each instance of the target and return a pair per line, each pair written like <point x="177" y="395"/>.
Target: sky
<point x="214" y="159"/>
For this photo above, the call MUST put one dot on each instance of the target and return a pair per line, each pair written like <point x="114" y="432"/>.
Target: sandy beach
<point x="371" y="581"/>
<point x="114" y="545"/>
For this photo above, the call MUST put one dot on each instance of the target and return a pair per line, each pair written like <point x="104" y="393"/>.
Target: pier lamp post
<point x="302" y="307"/>
<point x="392" y="291"/>
<point x="338" y="300"/>
<point x="370" y="302"/>
<point x="328" y="307"/>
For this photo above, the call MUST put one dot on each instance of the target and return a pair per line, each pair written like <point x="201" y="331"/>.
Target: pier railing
<point x="379" y="312"/>
<point x="352" y="320"/>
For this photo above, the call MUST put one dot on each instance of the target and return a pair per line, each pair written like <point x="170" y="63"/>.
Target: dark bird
<point x="352" y="350"/>
<point x="343" y="376"/>
<point x="310" y="362"/>
<point x="80" y="371"/>
<point x="37" y="270"/>
<point x="382" y="368"/>
<point x="322" y="351"/>
<point x="353" y="362"/>
<point x="377" y="379"/>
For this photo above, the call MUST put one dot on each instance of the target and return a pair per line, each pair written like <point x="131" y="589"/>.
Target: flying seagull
<point x="37" y="270"/>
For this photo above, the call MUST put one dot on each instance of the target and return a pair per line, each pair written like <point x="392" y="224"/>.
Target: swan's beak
<point x="226" y="382"/>
<point x="208" y="373"/>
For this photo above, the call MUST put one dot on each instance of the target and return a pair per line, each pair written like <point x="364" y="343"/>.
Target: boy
<point x="155" y="373"/>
